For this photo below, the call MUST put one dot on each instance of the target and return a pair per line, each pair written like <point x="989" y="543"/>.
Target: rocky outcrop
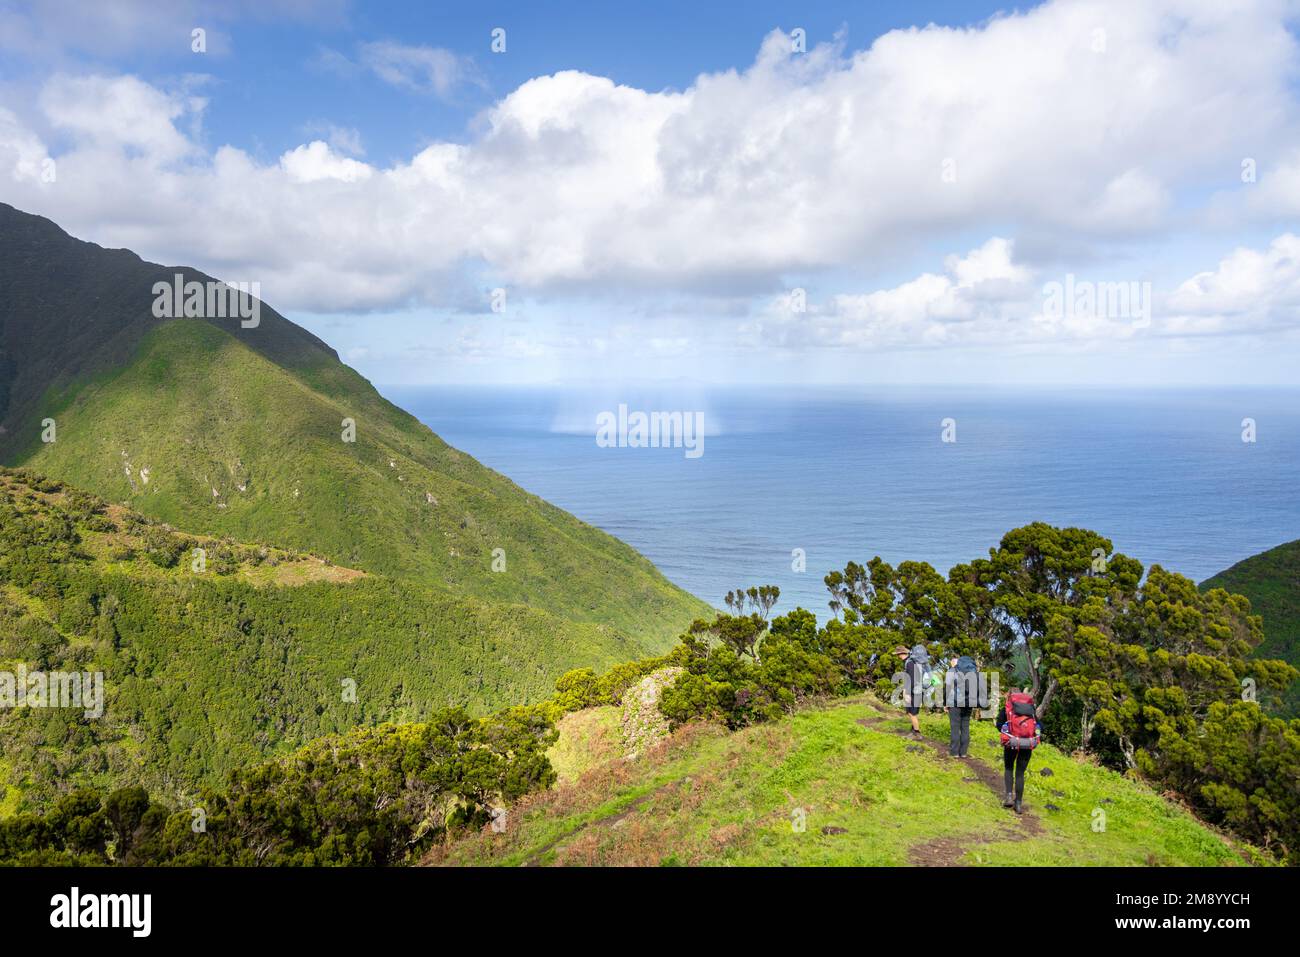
<point x="643" y="724"/>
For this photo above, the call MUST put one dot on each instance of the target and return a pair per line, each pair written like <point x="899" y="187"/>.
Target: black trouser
<point x="959" y="731"/>
<point x="1017" y="758"/>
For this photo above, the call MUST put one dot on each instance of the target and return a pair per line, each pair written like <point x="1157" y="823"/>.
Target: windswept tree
<point x="863" y="594"/>
<point x="912" y="604"/>
<point x="1042" y="572"/>
<point x="741" y="630"/>
<point x="981" y="630"/>
<point x="912" y="599"/>
<point x="759" y="599"/>
<point x="925" y="608"/>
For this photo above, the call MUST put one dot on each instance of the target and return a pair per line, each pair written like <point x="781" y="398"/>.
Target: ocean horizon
<point x="845" y="475"/>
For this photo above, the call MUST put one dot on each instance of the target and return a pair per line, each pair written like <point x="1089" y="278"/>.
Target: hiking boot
<point x="1019" y="807"/>
<point x="1009" y="800"/>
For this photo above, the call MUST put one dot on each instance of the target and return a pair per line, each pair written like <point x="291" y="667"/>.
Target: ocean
<point x="847" y="475"/>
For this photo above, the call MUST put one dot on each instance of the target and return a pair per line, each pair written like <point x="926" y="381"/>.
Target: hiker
<point x="1020" y="735"/>
<point x="916" y="676"/>
<point x="961" y="695"/>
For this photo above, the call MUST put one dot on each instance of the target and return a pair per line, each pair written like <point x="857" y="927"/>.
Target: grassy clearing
<point x="865" y="795"/>
<point x="587" y="739"/>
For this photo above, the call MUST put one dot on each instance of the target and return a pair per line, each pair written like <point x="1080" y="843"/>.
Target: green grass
<point x="587" y="738"/>
<point x="1271" y="580"/>
<point x="712" y="798"/>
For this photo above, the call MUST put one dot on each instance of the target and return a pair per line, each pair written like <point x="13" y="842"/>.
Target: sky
<point x="1073" y="192"/>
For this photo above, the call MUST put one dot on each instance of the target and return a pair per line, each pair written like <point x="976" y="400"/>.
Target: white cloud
<point x="1249" y="291"/>
<point x="1275" y="195"/>
<point x="799" y="164"/>
<point x="316" y="161"/>
<point x="987" y="298"/>
<point x="21" y="151"/>
<point x="421" y="68"/>
<point x="121" y="115"/>
<point x="984" y="295"/>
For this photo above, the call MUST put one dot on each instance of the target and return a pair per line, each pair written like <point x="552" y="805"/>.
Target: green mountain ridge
<point x="230" y="431"/>
<point x="1271" y="580"/>
<point x="71" y="309"/>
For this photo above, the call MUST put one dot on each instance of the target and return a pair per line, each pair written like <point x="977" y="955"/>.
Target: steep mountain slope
<point x="1271" y="580"/>
<point x="841" y="786"/>
<point x="71" y="309"/>
<point x="208" y="669"/>
<point x="226" y="430"/>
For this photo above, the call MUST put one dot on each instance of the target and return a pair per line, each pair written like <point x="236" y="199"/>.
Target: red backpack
<point x="1022" y="722"/>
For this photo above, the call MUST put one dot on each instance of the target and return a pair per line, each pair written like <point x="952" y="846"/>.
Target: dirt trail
<point x="948" y="851"/>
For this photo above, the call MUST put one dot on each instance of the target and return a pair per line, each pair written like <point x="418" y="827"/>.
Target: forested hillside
<point x="209" y="669"/>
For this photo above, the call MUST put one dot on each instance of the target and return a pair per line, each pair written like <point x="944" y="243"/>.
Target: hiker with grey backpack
<point x="1020" y="735"/>
<point x="961" y="698"/>
<point x="918" y="679"/>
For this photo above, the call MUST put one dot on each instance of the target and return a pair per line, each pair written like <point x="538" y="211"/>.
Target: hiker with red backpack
<point x="1020" y="735"/>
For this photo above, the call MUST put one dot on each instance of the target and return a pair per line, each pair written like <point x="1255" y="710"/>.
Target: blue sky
<point x="685" y="191"/>
<point x="650" y="46"/>
<point x="269" y="71"/>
